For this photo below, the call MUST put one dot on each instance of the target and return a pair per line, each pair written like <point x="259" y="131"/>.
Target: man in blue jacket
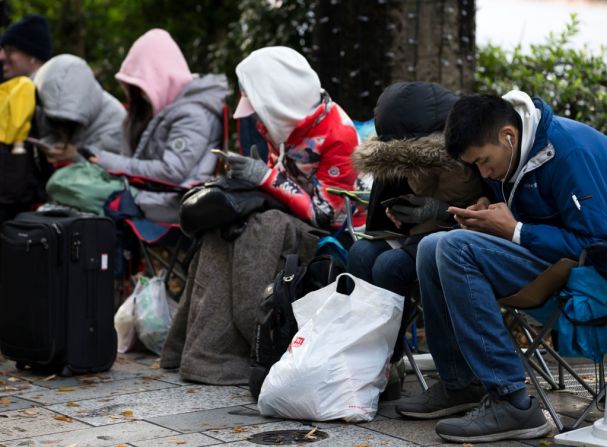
<point x="550" y="177"/>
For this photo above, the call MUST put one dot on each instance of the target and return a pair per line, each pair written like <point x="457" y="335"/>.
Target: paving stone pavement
<point x="139" y="405"/>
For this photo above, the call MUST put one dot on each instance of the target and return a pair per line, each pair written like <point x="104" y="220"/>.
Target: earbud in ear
<point x="509" y="138"/>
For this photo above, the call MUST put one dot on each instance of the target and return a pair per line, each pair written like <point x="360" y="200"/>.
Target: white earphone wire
<point x="509" y="139"/>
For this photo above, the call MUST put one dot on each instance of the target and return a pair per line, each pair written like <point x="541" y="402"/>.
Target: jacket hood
<point x="68" y="89"/>
<point x="282" y="88"/>
<point x="157" y="66"/>
<point x="399" y="158"/>
<point x="530" y="119"/>
<point x="209" y="90"/>
<point x="412" y="109"/>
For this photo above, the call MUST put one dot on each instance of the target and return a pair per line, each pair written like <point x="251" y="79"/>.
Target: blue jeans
<point x="392" y="269"/>
<point x="461" y="273"/>
<point x="376" y="262"/>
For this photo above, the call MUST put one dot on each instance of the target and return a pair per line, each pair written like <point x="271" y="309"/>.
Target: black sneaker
<point x="495" y="419"/>
<point x="395" y="382"/>
<point x="438" y="401"/>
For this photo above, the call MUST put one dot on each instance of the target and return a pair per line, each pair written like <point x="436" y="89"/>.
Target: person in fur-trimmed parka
<point x="408" y="159"/>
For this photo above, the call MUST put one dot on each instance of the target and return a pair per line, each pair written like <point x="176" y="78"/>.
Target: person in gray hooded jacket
<point x="74" y="111"/>
<point x="173" y="122"/>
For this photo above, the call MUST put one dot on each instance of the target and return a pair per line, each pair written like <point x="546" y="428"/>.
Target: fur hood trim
<point x="399" y="158"/>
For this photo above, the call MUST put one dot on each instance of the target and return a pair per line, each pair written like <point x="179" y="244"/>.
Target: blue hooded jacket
<point x="560" y="195"/>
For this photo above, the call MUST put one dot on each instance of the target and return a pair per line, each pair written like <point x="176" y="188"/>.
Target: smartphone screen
<point x="41" y="144"/>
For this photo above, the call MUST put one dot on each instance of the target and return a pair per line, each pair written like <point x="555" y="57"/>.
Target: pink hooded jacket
<point x="157" y="66"/>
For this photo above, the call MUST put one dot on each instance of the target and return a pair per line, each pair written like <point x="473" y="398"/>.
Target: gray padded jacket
<point x="67" y="90"/>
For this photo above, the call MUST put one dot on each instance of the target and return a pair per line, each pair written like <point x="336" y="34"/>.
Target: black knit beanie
<point x="31" y="35"/>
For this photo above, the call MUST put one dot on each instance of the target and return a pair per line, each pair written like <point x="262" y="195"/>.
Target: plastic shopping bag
<point x="337" y="363"/>
<point x="153" y="312"/>
<point x="124" y="323"/>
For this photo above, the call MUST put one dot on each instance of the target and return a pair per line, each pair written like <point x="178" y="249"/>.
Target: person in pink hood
<point x="174" y="120"/>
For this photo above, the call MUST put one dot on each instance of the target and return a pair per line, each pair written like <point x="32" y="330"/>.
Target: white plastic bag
<point x="153" y="312"/>
<point x="124" y="323"/>
<point x="337" y="363"/>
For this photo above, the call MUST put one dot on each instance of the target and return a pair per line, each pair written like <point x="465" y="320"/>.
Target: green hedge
<point x="573" y="81"/>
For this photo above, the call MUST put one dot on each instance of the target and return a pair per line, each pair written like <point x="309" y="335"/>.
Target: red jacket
<point x="317" y="156"/>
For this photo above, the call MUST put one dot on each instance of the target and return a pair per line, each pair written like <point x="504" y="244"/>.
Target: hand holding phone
<point x="388" y="203"/>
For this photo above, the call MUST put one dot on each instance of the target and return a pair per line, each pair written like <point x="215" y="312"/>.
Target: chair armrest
<point x="549" y="282"/>
<point x="357" y="196"/>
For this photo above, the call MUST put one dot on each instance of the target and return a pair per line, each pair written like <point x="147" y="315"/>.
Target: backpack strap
<point x="291" y="266"/>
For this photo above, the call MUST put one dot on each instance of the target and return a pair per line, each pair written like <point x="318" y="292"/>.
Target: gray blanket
<point x="210" y="337"/>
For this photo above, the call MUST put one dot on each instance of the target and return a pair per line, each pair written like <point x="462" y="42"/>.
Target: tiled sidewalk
<point x="138" y="404"/>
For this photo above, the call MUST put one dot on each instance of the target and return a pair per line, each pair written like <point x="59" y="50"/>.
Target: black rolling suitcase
<point x="56" y="292"/>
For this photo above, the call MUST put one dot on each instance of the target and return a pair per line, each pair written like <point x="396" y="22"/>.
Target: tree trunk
<point x="361" y="47"/>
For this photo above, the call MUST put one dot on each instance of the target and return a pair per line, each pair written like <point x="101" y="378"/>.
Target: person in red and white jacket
<point x="311" y="139"/>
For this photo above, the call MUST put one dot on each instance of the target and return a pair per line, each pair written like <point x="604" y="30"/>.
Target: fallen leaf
<point x="115" y="417"/>
<point x="356" y="445"/>
<point x="239" y="429"/>
<point x="65" y="389"/>
<point x="72" y="445"/>
<point x="63" y="418"/>
<point x="155" y="365"/>
<point x="72" y="404"/>
<point x="310" y="434"/>
<point x="178" y="442"/>
<point x="30" y="412"/>
<point x="127" y="413"/>
<point x="51" y="377"/>
<point x="467" y="444"/>
<point x="121" y="445"/>
<point x="13" y="379"/>
<point x="545" y="442"/>
<point x="191" y="391"/>
<point x="5" y="401"/>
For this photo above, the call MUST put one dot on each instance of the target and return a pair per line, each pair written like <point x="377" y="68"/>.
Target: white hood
<point x="282" y="88"/>
<point x="530" y="117"/>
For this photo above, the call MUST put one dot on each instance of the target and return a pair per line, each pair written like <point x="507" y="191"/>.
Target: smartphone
<point x="41" y="144"/>
<point x="85" y="152"/>
<point x="388" y="203"/>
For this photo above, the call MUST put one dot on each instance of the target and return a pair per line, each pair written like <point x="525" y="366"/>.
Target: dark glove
<point x="422" y="209"/>
<point x="244" y="168"/>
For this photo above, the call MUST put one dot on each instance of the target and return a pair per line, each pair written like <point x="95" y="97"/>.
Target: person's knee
<point x="360" y="259"/>
<point x="394" y="270"/>
<point x="457" y="243"/>
<point x="426" y="249"/>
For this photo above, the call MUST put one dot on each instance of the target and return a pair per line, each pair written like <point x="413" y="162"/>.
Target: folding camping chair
<point x="538" y="293"/>
<point x="153" y="236"/>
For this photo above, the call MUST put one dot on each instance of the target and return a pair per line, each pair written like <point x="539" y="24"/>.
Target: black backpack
<point x="276" y="324"/>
